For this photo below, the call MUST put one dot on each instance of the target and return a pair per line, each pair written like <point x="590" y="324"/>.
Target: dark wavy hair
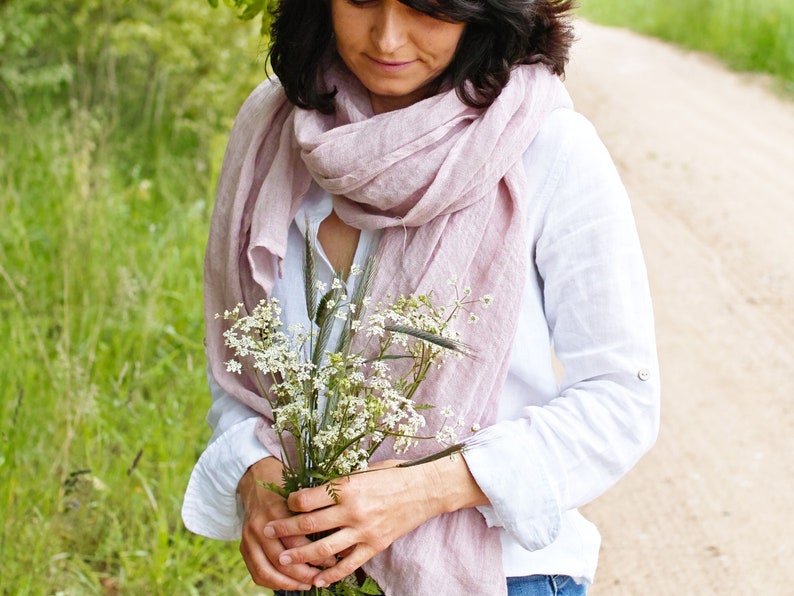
<point x="499" y="35"/>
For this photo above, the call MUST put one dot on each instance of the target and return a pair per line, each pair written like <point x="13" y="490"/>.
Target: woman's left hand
<point x="372" y="510"/>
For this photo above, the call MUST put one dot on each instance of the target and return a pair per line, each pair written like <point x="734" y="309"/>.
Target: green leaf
<point x="330" y="488"/>
<point x="370" y="587"/>
<point x="250" y="12"/>
<point x="279" y="490"/>
<point x="393" y="357"/>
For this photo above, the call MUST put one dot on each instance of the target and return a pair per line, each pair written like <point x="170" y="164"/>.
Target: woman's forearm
<point x="452" y="484"/>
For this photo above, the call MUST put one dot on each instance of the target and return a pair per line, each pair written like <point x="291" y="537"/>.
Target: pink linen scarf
<point x="445" y="183"/>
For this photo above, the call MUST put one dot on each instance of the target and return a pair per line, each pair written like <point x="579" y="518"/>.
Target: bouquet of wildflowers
<point x="334" y="405"/>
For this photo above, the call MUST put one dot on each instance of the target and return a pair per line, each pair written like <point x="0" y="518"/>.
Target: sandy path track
<point x="708" y="158"/>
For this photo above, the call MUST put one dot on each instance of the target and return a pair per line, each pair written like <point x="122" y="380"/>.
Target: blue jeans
<point x="544" y="585"/>
<point x="531" y="585"/>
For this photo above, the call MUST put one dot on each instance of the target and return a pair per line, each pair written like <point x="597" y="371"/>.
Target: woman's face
<point x="394" y="50"/>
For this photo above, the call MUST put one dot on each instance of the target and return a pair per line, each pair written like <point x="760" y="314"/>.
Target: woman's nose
<point x="390" y="29"/>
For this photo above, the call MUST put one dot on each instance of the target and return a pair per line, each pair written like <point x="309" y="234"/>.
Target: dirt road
<point x="708" y="158"/>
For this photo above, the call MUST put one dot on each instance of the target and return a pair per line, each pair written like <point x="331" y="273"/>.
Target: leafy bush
<point x="156" y="67"/>
<point x="113" y="118"/>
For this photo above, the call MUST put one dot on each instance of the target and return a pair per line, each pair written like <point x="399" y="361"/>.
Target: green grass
<point x="102" y="372"/>
<point x="748" y="35"/>
<point x="105" y="200"/>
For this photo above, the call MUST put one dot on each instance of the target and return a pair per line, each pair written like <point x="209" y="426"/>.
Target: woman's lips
<point x="391" y="65"/>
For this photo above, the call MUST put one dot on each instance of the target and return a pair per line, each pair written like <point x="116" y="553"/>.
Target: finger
<point x="291" y="542"/>
<point x="306" y="524"/>
<point x="345" y="552"/>
<point x="261" y="555"/>
<point x="264" y="573"/>
<point x="323" y="549"/>
<point x="299" y="570"/>
<point x="311" y="499"/>
<point x="346" y="566"/>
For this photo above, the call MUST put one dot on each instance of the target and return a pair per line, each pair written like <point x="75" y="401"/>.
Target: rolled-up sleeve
<point x="210" y="506"/>
<point x="589" y="267"/>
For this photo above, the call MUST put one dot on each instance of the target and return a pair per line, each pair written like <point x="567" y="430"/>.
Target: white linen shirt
<point x="561" y="438"/>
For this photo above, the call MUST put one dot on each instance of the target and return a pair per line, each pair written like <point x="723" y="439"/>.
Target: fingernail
<point x="269" y="532"/>
<point x="285" y="560"/>
<point x="320" y="583"/>
<point x="305" y="588"/>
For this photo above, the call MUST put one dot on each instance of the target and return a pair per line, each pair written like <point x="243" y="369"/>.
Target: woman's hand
<point x="261" y="553"/>
<point x="372" y="510"/>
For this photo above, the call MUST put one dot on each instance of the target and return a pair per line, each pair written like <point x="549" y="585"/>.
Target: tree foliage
<point x="248" y="10"/>
<point x="168" y="65"/>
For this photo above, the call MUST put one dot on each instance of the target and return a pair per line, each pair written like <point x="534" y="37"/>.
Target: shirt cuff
<point x="211" y="506"/>
<point x="523" y="499"/>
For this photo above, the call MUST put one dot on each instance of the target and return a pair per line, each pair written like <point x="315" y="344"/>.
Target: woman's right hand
<point x="260" y="553"/>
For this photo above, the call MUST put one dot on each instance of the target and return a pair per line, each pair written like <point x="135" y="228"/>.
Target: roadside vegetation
<point x="113" y="120"/>
<point x="748" y="35"/>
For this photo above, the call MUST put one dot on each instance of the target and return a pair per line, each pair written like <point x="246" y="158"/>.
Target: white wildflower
<point x="447" y="435"/>
<point x="339" y="406"/>
<point x="375" y="331"/>
<point x="381" y="367"/>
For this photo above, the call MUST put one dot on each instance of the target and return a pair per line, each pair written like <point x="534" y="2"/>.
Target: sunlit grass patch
<point x="102" y="368"/>
<point x="749" y="35"/>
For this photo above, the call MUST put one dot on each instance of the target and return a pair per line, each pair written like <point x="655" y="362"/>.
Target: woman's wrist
<point x="265" y="470"/>
<point x="452" y="485"/>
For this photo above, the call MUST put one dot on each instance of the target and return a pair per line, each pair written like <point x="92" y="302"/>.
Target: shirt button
<point x="644" y="374"/>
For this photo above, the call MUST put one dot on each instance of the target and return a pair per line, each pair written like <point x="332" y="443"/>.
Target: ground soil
<point x="708" y="159"/>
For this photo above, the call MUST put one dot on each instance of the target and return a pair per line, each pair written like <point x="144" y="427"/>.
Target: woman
<point x="435" y="134"/>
